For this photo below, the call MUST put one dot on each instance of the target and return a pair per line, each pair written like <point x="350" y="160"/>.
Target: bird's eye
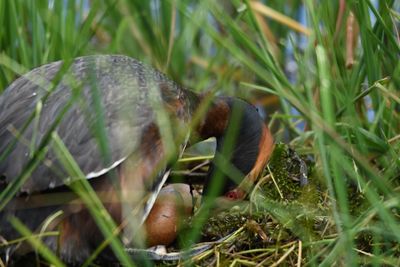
<point x="231" y="195"/>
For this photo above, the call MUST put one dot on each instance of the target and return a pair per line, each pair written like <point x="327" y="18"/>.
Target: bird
<point x="124" y="123"/>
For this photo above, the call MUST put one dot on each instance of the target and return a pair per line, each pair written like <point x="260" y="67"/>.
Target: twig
<point x="300" y="253"/>
<point x="276" y="185"/>
<point x="284" y="256"/>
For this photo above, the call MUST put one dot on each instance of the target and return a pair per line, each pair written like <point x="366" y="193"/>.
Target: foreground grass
<point x="339" y="106"/>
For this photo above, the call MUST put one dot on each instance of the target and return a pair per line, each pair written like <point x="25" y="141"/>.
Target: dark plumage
<point x="124" y="90"/>
<point x="245" y="148"/>
<point x="118" y="100"/>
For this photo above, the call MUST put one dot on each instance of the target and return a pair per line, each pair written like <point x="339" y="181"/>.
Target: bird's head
<point x="244" y="145"/>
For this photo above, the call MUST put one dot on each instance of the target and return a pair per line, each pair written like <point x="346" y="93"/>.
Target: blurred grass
<point x="349" y="114"/>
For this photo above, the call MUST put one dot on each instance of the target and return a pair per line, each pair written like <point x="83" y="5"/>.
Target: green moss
<point x="291" y="193"/>
<point x="288" y="172"/>
<point x="261" y="230"/>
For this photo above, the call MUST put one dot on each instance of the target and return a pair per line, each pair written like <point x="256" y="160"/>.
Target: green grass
<point x="232" y="48"/>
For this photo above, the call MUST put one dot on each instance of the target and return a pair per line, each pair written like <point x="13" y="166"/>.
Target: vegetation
<point x="331" y="87"/>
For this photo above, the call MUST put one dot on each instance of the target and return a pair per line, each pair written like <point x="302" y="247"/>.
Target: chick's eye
<point x="231" y="195"/>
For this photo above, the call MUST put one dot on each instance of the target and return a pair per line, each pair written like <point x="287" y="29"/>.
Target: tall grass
<point x="345" y="86"/>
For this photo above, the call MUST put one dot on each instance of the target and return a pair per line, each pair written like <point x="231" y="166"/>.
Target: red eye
<point x="231" y="195"/>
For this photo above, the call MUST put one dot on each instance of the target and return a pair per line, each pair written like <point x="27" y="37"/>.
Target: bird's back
<point x="112" y="99"/>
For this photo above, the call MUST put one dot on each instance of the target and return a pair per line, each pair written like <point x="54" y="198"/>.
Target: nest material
<point x="280" y="214"/>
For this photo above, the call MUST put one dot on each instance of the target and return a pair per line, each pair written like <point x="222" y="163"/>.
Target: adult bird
<point x="123" y="123"/>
